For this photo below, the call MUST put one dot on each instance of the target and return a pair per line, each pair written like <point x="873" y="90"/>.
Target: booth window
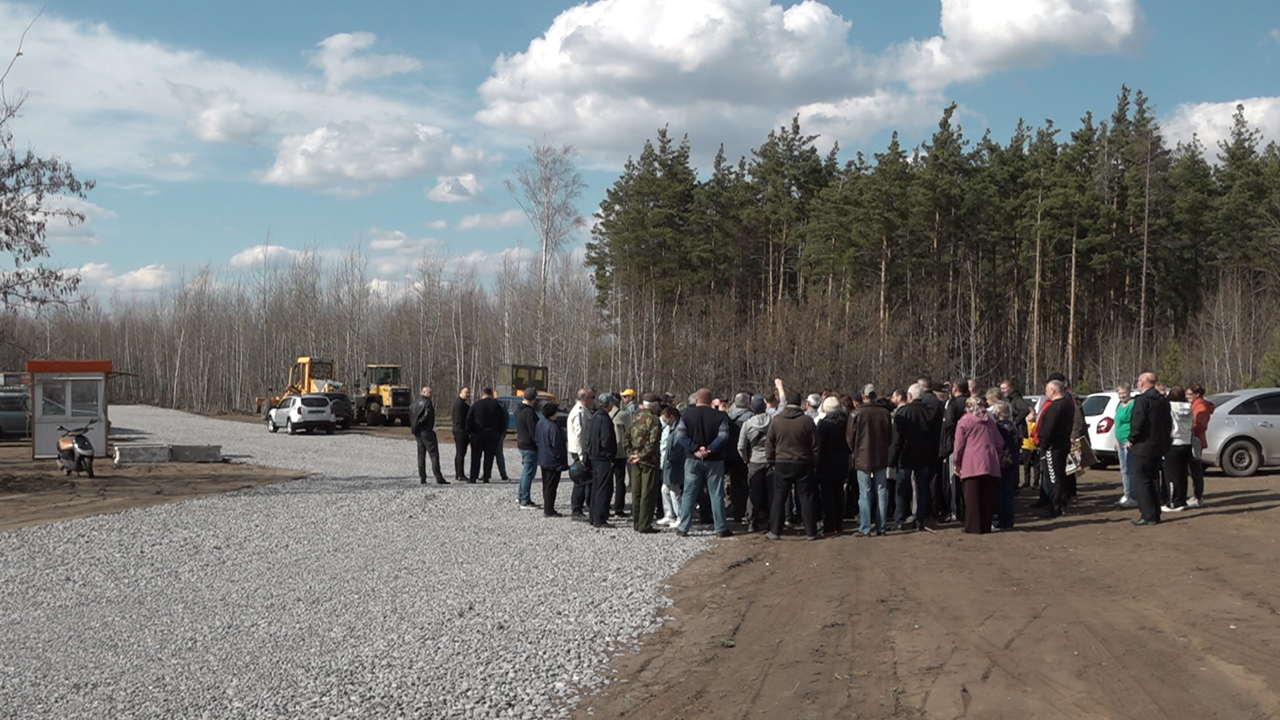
<point x="84" y="398"/>
<point x="54" y="400"/>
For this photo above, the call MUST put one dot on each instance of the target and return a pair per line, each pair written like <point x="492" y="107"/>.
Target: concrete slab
<point x="195" y="453"/>
<point x="131" y="454"/>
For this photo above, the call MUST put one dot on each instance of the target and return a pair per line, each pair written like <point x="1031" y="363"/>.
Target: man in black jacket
<point x="703" y="432"/>
<point x="487" y="422"/>
<point x="461" y="435"/>
<point x="1150" y="431"/>
<point x="422" y="423"/>
<point x="915" y="454"/>
<point x="601" y="448"/>
<point x="526" y="427"/>
<point x="1053" y="435"/>
<point x="949" y="495"/>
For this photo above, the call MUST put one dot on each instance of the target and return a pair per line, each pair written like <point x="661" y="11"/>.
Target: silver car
<point x="1244" y="431"/>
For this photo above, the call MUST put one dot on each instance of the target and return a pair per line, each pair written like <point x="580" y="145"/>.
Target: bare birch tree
<point x="547" y="188"/>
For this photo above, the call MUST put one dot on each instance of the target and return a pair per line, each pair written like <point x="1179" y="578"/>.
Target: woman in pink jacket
<point x="977" y="462"/>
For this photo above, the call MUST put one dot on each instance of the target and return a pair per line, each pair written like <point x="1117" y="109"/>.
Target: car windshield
<point x="1095" y="405"/>
<point x="315" y="401"/>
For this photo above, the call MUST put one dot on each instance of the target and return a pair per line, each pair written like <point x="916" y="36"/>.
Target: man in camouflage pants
<point x="644" y="438"/>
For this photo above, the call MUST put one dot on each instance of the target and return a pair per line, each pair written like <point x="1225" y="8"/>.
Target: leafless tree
<point x="547" y="188"/>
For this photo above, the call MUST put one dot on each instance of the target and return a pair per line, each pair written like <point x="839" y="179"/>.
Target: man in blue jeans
<point x="526" y="430"/>
<point x="703" y="432"/>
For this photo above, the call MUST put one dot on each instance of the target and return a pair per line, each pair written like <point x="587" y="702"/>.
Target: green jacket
<point x="1123" y="414"/>
<point x="644" y="438"/>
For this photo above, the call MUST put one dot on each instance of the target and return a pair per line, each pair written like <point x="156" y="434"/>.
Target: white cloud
<point x="219" y="116"/>
<point x="264" y="254"/>
<point x="1211" y="121"/>
<point x="436" y="225"/>
<point x="1275" y="34"/>
<point x="492" y="221"/>
<point x="58" y="230"/>
<point x="355" y="158"/>
<point x="337" y="58"/>
<point x="145" y="279"/>
<point x="612" y="71"/>
<point x="398" y="241"/>
<point x="107" y="102"/>
<point x="980" y="37"/>
<point x="455" y="188"/>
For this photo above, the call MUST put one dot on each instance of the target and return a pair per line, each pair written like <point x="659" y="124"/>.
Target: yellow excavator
<point x="308" y="375"/>
<point x="381" y="397"/>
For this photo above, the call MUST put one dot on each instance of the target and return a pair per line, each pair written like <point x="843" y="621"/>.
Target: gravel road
<point x="354" y="592"/>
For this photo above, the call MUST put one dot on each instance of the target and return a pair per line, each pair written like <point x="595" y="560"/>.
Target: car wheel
<point x="346" y="423"/>
<point x="289" y="428"/>
<point x="271" y="425"/>
<point x="329" y="430"/>
<point x="374" y="413"/>
<point x="1240" y="458"/>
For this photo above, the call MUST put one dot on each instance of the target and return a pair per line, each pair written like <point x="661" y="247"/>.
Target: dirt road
<point x="1084" y="616"/>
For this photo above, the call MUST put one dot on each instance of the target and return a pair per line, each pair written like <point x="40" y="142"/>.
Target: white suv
<point x="302" y="412"/>
<point x="1100" y="416"/>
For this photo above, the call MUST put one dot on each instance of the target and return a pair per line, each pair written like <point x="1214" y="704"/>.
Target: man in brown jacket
<point x="869" y="434"/>
<point x="792" y="448"/>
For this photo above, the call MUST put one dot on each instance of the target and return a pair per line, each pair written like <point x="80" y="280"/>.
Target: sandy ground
<point x="1084" y="616"/>
<point x="36" y="491"/>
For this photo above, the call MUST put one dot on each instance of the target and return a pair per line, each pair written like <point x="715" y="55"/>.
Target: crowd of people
<point x="932" y="454"/>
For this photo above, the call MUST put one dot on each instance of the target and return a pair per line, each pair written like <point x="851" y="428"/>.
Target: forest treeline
<point x="1096" y="252"/>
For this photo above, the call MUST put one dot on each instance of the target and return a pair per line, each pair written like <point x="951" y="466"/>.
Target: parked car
<point x="15" y="415"/>
<point x="303" y="412"/>
<point x="343" y="412"/>
<point x="1244" y="431"/>
<point x="1100" y="417"/>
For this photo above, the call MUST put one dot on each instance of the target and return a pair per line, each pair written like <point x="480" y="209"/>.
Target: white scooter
<point x="75" y="452"/>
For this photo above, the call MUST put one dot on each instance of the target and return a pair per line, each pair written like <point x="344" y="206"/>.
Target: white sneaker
<point x="1194" y="503"/>
<point x="1170" y="508"/>
<point x="662" y="521"/>
<point x="1127" y="502"/>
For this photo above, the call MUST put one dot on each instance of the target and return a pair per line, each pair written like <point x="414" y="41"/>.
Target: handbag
<point x="580" y="472"/>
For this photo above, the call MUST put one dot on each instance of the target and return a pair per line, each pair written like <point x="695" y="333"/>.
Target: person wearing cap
<point x="792" y="448"/>
<point x="704" y="433"/>
<point x="601" y="448"/>
<point x="621" y="422"/>
<point x="644" y="456"/>
<point x="833" y="465"/>
<point x="759" y="475"/>
<point x="629" y="402"/>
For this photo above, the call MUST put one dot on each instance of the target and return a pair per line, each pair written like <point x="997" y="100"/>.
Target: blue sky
<point x="224" y="133"/>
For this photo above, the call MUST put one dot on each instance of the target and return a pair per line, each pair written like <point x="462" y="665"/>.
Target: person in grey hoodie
<point x="1177" y="461"/>
<point x="759" y="476"/>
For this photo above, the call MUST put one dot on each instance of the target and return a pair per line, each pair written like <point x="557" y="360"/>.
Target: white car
<point x="302" y="412"/>
<point x="1244" y="431"/>
<point x="1100" y="417"/>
